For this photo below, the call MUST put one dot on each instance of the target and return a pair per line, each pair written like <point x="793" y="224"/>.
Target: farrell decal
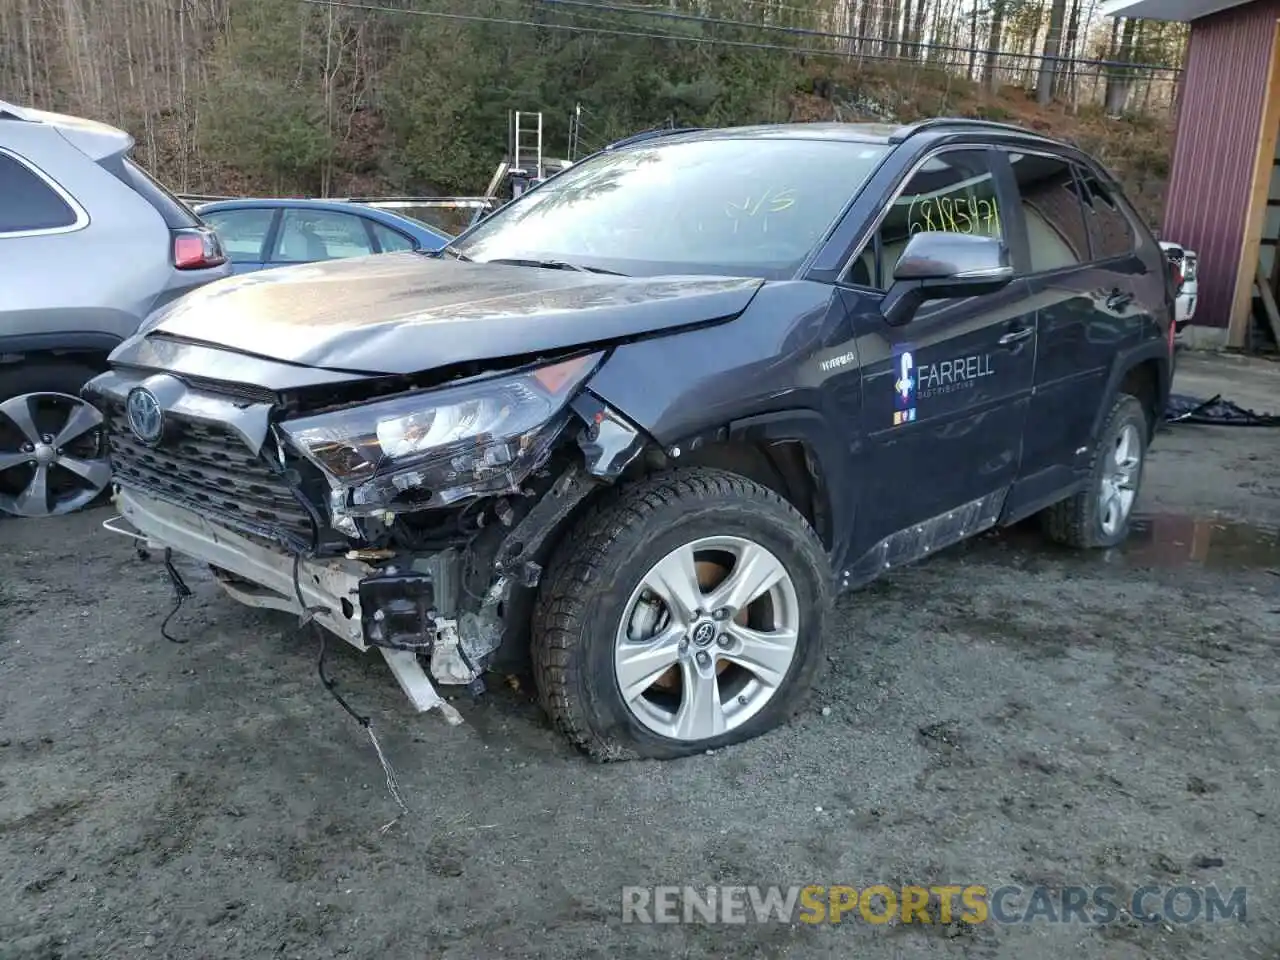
<point x="904" y="387"/>
<point x="948" y="376"/>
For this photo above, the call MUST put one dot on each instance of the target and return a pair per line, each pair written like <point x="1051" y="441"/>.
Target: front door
<point x="944" y="396"/>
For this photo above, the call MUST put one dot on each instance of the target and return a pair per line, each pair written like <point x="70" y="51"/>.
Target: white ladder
<point x="526" y="157"/>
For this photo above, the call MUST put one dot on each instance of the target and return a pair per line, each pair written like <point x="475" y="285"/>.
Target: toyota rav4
<point x="645" y="421"/>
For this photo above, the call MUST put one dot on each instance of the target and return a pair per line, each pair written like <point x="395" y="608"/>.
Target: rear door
<point x="944" y="396"/>
<point x="308" y="235"/>
<point x="1084" y="298"/>
<point x="1135" y="269"/>
<point x="40" y="222"/>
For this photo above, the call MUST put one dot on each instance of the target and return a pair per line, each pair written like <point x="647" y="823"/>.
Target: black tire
<point x="35" y="376"/>
<point x="592" y="575"/>
<point x="1075" y="522"/>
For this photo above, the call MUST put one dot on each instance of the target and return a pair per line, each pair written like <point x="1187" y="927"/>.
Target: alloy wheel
<point x="53" y="456"/>
<point x="1119" y="487"/>
<point x="707" y="638"/>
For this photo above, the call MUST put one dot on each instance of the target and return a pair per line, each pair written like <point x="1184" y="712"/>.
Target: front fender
<point x="750" y="381"/>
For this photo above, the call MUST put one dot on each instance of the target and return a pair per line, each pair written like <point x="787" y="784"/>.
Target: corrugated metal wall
<point x="1218" y="117"/>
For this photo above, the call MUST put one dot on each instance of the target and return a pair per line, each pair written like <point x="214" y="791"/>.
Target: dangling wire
<point x="307" y="615"/>
<point x="180" y="593"/>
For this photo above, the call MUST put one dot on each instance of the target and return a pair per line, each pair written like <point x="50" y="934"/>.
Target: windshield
<point x="718" y="206"/>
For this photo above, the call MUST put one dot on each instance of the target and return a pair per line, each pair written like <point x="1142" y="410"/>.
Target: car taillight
<point x="197" y="248"/>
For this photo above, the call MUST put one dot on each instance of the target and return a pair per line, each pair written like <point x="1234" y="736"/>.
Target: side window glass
<point x="309" y="235"/>
<point x="953" y="192"/>
<point x="391" y="241"/>
<point x="1056" y="232"/>
<point x="1109" y="227"/>
<point x="242" y="232"/>
<point x="29" y="202"/>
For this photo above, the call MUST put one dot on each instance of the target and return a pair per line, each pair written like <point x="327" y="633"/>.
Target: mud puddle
<point x="1155" y="540"/>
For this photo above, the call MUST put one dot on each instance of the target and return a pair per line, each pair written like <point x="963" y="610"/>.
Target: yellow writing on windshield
<point x="954" y="214"/>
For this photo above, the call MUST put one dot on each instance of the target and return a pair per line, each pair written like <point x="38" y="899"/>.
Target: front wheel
<point x="682" y="614"/>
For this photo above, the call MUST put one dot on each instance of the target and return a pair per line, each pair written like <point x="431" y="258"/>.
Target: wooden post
<point x="1269" y="299"/>
<point x="1264" y="161"/>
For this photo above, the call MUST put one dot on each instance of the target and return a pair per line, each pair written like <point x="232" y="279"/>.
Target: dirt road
<point x="1003" y="714"/>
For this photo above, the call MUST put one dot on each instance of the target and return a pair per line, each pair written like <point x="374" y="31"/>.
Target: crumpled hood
<point x="405" y="313"/>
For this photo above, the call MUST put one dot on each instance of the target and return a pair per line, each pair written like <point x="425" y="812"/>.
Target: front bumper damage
<point x="264" y="578"/>
<point x="415" y="606"/>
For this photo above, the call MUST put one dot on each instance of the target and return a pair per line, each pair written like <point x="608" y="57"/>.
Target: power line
<point x="600" y="31"/>
<point x="828" y="35"/>
<point x="879" y="7"/>
<point x="770" y="5"/>
<point x="677" y="38"/>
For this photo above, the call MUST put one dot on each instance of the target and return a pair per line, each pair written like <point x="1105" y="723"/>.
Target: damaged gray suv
<point x="647" y="419"/>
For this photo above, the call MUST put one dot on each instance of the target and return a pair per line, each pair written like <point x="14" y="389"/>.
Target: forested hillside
<point x="413" y="96"/>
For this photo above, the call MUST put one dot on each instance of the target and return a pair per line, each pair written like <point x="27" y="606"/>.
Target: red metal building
<point x="1224" y="194"/>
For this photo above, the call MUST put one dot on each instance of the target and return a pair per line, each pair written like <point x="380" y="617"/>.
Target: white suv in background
<point x="1184" y="265"/>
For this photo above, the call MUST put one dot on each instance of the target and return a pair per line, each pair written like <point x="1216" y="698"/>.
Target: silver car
<point x="89" y="245"/>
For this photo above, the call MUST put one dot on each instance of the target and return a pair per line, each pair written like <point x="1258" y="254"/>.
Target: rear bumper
<point x="1185" y="308"/>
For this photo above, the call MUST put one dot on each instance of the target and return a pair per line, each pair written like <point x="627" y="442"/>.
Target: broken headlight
<point x="440" y="446"/>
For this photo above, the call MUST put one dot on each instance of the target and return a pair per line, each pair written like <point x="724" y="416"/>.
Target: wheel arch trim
<point x="1125" y="363"/>
<point x="835" y="495"/>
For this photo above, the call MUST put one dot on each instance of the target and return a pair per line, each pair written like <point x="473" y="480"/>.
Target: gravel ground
<point x="1003" y="714"/>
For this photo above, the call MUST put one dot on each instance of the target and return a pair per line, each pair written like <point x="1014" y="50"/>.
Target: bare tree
<point x="1069" y="48"/>
<point x="1119" y="78"/>
<point x="1052" y="47"/>
<point x="990" y="72"/>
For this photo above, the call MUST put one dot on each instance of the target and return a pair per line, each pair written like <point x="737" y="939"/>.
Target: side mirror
<point x="940" y="266"/>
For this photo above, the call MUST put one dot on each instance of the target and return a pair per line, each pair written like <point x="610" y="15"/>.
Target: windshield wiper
<point x="554" y="265"/>
<point x="449" y="250"/>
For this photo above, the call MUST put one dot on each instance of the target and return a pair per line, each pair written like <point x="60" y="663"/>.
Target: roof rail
<point x="650" y="134"/>
<point x="938" y="123"/>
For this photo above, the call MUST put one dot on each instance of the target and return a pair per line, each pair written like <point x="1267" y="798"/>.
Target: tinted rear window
<point x="174" y="212"/>
<point x="30" y="203"/>
<point x="1113" y="234"/>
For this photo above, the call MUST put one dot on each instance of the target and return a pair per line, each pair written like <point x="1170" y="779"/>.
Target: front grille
<point x="210" y="470"/>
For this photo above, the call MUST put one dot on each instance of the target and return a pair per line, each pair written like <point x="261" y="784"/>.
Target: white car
<point x="1183" y="261"/>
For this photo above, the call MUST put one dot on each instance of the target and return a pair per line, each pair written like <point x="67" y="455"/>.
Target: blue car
<point x="258" y="234"/>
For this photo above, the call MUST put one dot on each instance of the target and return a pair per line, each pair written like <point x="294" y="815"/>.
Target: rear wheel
<point x="684" y="613"/>
<point x="53" y="457"/>
<point x="1099" y="515"/>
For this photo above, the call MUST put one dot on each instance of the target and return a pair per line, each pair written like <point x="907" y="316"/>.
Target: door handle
<point x="1013" y="336"/>
<point x="1119" y="299"/>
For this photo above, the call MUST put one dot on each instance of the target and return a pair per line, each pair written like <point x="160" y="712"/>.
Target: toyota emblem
<point x="146" y="418"/>
<point x="704" y="633"/>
